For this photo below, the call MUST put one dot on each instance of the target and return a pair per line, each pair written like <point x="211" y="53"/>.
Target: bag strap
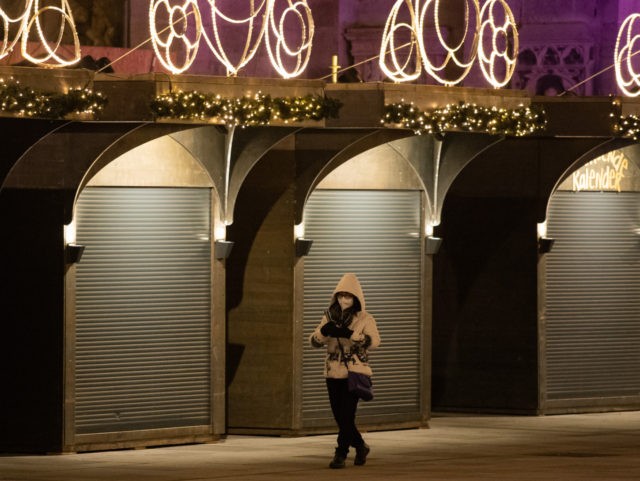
<point x="344" y="360"/>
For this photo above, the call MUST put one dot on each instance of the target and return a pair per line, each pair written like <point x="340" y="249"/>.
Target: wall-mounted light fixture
<point x="73" y="253"/>
<point x="432" y="245"/>
<point x="222" y="249"/>
<point x="303" y="246"/>
<point x="545" y="244"/>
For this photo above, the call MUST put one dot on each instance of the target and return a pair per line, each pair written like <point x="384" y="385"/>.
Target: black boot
<point x="361" y="454"/>
<point x="337" y="462"/>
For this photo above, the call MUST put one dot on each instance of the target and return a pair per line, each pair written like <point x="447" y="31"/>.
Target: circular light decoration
<point x="67" y="24"/>
<point x="284" y="53"/>
<point x="180" y="33"/>
<point x="7" y="21"/>
<point x="500" y="59"/>
<point x="454" y="53"/>
<point x="627" y="45"/>
<point x="388" y="47"/>
<point x="30" y="27"/>
<point x="251" y="23"/>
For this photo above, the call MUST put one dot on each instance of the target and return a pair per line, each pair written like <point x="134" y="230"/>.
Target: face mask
<point x="345" y="300"/>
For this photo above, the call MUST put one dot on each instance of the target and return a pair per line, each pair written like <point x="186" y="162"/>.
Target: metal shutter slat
<point x="593" y="296"/>
<point x="375" y="234"/>
<point x="143" y="309"/>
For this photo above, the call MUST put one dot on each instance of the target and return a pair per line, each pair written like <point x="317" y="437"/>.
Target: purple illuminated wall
<point x="562" y="42"/>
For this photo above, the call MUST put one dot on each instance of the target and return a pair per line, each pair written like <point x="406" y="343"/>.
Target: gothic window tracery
<point x="545" y="69"/>
<point x="551" y="57"/>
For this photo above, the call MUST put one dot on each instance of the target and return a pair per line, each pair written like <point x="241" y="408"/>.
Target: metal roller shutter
<point x="143" y="309"/>
<point x="375" y="234"/>
<point x="593" y="296"/>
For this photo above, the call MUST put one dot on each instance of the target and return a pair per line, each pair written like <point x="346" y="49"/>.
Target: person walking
<point x="348" y="331"/>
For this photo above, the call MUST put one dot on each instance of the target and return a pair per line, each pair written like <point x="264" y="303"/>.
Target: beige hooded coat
<point x="365" y="336"/>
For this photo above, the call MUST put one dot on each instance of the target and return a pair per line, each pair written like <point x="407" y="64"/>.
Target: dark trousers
<point x="344" y="406"/>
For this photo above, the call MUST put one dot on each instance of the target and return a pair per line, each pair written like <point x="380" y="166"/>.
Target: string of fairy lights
<point x="466" y="117"/>
<point x="21" y="101"/>
<point x="624" y="126"/>
<point x="627" y="127"/>
<point x="250" y="110"/>
<point x="261" y="110"/>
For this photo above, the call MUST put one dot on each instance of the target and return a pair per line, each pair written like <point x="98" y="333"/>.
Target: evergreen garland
<point x="467" y="118"/>
<point x="627" y="126"/>
<point x="23" y="101"/>
<point x="244" y="111"/>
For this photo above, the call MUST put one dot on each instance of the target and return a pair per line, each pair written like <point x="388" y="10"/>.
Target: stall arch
<point x="366" y="216"/>
<point x="591" y="287"/>
<point x="147" y="301"/>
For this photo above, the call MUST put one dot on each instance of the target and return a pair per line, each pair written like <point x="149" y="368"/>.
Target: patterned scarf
<point x="344" y="318"/>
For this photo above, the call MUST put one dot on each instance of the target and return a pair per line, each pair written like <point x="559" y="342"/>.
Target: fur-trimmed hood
<point x="349" y="283"/>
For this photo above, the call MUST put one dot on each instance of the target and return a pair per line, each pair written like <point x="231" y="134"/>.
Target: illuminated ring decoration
<point x="66" y="20"/>
<point x="30" y="20"/>
<point x="626" y="75"/>
<point x="454" y="53"/>
<point x="176" y="32"/>
<point x="7" y="44"/>
<point x="278" y="45"/>
<point x="216" y="44"/>
<point x="388" y="46"/>
<point x="507" y="33"/>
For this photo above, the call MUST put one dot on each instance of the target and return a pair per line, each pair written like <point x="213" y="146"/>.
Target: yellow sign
<point x="604" y="173"/>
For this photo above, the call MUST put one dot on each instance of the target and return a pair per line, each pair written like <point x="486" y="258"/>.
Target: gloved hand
<point x="329" y="329"/>
<point x="342" y="332"/>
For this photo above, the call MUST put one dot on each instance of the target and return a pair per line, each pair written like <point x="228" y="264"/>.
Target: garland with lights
<point x="27" y="102"/>
<point x="467" y="118"/>
<point x="244" y="111"/>
<point x="627" y="126"/>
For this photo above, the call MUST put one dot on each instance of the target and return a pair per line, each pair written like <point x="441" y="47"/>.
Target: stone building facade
<point x="480" y="334"/>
